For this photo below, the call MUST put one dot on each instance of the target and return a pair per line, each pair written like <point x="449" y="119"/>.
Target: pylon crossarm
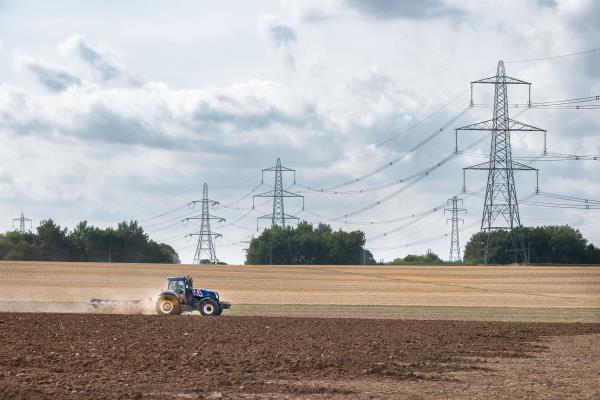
<point x="485" y="166"/>
<point x="478" y="126"/>
<point x="282" y="169"/>
<point x="522" y="167"/>
<point x="521" y="126"/>
<point x="270" y="193"/>
<point x="207" y="217"/>
<point x="492" y="80"/>
<point x="290" y="194"/>
<point x="489" y="126"/>
<point x="482" y="166"/>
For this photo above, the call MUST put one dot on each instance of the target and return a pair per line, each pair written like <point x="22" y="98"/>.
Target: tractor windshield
<point x="176" y="285"/>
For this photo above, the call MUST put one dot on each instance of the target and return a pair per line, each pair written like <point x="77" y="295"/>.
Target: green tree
<point x="128" y="243"/>
<point x="426" y="259"/>
<point x="545" y="244"/>
<point x="305" y="244"/>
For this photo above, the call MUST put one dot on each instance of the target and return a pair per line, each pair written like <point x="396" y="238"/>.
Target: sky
<point x="113" y="111"/>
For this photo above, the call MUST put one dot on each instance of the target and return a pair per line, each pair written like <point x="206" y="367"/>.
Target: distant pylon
<point x="205" y="249"/>
<point x="455" y="241"/>
<point x="501" y="207"/>
<point x="278" y="216"/>
<point x="22" y="223"/>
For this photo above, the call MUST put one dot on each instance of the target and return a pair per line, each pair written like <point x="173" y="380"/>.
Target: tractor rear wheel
<point x="209" y="307"/>
<point x="168" y="306"/>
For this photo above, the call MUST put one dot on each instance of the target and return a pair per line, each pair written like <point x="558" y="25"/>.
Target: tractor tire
<point x="168" y="306"/>
<point x="209" y="307"/>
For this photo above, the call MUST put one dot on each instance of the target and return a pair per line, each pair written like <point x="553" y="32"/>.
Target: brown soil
<point x="135" y="356"/>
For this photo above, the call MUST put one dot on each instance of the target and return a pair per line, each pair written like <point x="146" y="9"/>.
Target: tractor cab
<point x="183" y="287"/>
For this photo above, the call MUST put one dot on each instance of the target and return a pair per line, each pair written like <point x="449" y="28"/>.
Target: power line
<point x="245" y="196"/>
<point x="334" y="188"/>
<point x="391" y="138"/>
<point x="569" y="198"/>
<point x="405" y="187"/>
<point x="554" y="57"/>
<point x="163" y="214"/>
<point x="562" y="205"/>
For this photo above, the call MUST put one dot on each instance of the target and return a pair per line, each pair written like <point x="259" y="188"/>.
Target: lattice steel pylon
<point x="205" y="249"/>
<point x="22" y="223"/>
<point x="501" y="207"/>
<point x="454" y="219"/>
<point x="278" y="216"/>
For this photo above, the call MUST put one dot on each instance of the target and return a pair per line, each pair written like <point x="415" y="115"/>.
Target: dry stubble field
<point x="553" y="294"/>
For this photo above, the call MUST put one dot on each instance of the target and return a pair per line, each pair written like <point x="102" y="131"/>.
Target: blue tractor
<point x="180" y="296"/>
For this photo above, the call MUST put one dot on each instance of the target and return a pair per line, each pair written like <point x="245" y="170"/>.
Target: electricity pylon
<point x="278" y="216"/>
<point x="455" y="241"/>
<point x="501" y="207"/>
<point x="22" y="223"/>
<point x="205" y="249"/>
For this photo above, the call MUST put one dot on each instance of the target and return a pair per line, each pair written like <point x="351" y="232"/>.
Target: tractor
<point x="180" y="296"/>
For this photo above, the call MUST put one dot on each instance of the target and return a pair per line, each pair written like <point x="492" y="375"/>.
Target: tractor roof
<point x="178" y="278"/>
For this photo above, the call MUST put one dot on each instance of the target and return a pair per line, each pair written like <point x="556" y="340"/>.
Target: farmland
<point x="560" y="294"/>
<point x="303" y="332"/>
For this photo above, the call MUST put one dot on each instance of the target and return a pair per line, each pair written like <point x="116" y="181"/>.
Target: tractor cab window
<point x="176" y="285"/>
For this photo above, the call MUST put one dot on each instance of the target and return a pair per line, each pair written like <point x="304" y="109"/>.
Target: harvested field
<point x="75" y="356"/>
<point x="561" y="294"/>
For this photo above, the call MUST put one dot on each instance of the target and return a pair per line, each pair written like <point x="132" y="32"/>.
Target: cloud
<point x="154" y="115"/>
<point x="51" y="77"/>
<point x="104" y="69"/>
<point x="282" y="36"/>
<point x="312" y="10"/>
<point x="402" y="9"/>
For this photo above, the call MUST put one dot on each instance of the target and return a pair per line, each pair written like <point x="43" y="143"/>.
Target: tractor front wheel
<point x="209" y="307"/>
<point x="168" y="306"/>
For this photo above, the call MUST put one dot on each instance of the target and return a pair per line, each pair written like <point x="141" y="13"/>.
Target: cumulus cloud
<point x="104" y="68"/>
<point x="155" y="115"/>
<point x="282" y="36"/>
<point x="374" y="104"/>
<point x="51" y="77"/>
<point x="405" y="9"/>
<point x="312" y="10"/>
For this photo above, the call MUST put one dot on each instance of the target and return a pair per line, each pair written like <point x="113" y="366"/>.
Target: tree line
<point x="554" y="244"/>
<point x="305" y="244"/>
<point x="50" y="242"/>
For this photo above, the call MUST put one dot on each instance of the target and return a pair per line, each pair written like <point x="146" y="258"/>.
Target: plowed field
<point x="85" y="356"/>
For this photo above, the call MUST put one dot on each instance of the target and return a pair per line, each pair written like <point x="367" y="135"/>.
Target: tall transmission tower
<point x="205" y="249"/>
<point x="278" y="216"/>
<point x="22" y="223"/>
<point x="500" y="207"/>
<point x="455" y="241"/>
